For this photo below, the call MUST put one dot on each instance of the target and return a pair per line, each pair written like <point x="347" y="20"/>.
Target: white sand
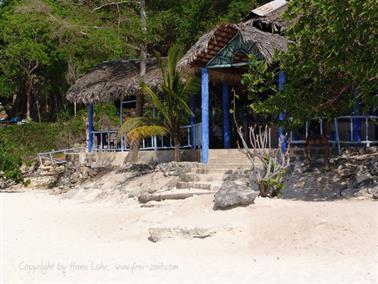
<point x="47" y="239"/>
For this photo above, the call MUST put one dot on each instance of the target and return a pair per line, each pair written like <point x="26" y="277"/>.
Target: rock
<point x="47" y="163"/>
<point x="52" y="170"/>
<point x="362" y="177"/>
<point x="5" y="183"/>
<point x="189" y="178"/>
<point x="60" y="169"/>
<point x="373" y="191"/>
<point x="175" y="168"/>
<point x="232" y="195"/>
<point x="159" y="234"/>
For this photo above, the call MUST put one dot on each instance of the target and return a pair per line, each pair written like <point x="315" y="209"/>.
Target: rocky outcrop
<point x="175" y="168"/>
<point x="5" y="183"/>
<point x="354" y="174"/>
<point x="232" y="195"/>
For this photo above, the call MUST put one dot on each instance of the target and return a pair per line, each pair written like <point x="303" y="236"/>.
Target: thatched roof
<point x="262" y="28"/>
<point x="113" y="79"/>
<point x="211" y="43"/>
<point x="208" y="46"/>
<point x="267" y="43"/>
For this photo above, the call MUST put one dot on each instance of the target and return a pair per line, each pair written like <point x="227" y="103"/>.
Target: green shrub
<point x="21" y="143"/>
<point x="10" y="161"/>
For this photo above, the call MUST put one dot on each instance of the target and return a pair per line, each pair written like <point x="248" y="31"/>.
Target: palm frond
<point x="134" y="123"/>
<point x="172" y="107"/>
<point x="146" y="131"/>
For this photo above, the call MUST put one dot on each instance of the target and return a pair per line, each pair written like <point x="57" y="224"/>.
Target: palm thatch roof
<point x="262" y="29"/>
<point x="114" y="79"/>
<point x="210" y="44"/>
<point x="267" y="43"/>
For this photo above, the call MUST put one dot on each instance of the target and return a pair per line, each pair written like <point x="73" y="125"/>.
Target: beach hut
<point x="221" y="56"/>
<point x="109" y="81"/>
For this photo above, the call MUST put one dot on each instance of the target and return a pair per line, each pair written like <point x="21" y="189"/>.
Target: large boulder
<point x="232" y="195"/>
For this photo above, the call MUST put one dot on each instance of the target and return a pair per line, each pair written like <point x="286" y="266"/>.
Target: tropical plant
<point x="170" y="102"/>
<point x="260" y="80"/>
<point x="172" y="106"/>
<point x="137" y="128"/>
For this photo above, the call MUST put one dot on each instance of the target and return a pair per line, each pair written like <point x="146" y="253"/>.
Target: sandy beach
<point x="49" y="239"/>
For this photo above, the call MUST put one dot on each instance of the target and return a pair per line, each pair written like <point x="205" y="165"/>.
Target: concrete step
<point x="231" y="160"/>
<point x="223" y="171"/>
<point x="227" y="157"/>
<point x="214" y="177"/>
<point x="229" y="166"/>
<point x="196" y="177"/>
<point x="227" y="154"/>
<point x="191" y="190"/>
<point x="225" y="151"/>
<point x="195" y="185"/>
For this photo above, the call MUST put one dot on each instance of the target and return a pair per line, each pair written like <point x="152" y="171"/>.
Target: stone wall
<point x="117" y="159"/>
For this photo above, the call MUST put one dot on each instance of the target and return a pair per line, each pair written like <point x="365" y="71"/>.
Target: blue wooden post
<point x="121" y="112"/>
<point x="226" y="116"/>
<point x="192" y="122"/>
<point x="205" y="115"/>
<point x="90" y="127"/>
<point x="356" y="121"/>
<point x="281" y="130"/>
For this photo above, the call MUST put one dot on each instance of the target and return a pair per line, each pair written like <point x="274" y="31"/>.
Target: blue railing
<point x="107" y="140"/>
<point x="342" y="131"/>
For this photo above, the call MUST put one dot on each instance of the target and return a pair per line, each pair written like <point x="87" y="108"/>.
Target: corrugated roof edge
<point x="268" y="8"/>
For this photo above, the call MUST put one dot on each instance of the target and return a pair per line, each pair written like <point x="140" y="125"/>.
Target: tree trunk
<point x="169" y="196"/>
<point x="176" y="140"/>
<point x="143" y="56"/>
<point x="47" y="108"/>
<point x="38" y="108"/>
<point x="29" y="73"/>
<point x="28" y="97"/>
<point x="134" y="148"/>
<point x="132" y="157"/>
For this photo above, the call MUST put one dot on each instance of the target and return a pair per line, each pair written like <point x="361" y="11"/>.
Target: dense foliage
<point x="332" y="60"/>
<point x="45" y="45"/>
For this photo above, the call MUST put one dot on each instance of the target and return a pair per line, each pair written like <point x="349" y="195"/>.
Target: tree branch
<point x="114" y="4"/>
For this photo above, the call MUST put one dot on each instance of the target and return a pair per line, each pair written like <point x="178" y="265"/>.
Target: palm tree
<point x="171" y="104"/>
<point x="137" y="128"/>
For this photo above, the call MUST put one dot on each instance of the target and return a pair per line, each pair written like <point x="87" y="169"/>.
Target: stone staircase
<point x="229" y="164"/>
<point x="224" y="164"/>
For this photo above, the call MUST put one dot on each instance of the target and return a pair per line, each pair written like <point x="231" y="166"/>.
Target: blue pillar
<point x="356" y="121"/>
<point x="226" y="116"/>
<point x="121" y="112"/>
<point x="192" y="122"/>
<point x="281" y="130"/>
<point x="90" y="127"/>
<point x="205" y="115"/>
